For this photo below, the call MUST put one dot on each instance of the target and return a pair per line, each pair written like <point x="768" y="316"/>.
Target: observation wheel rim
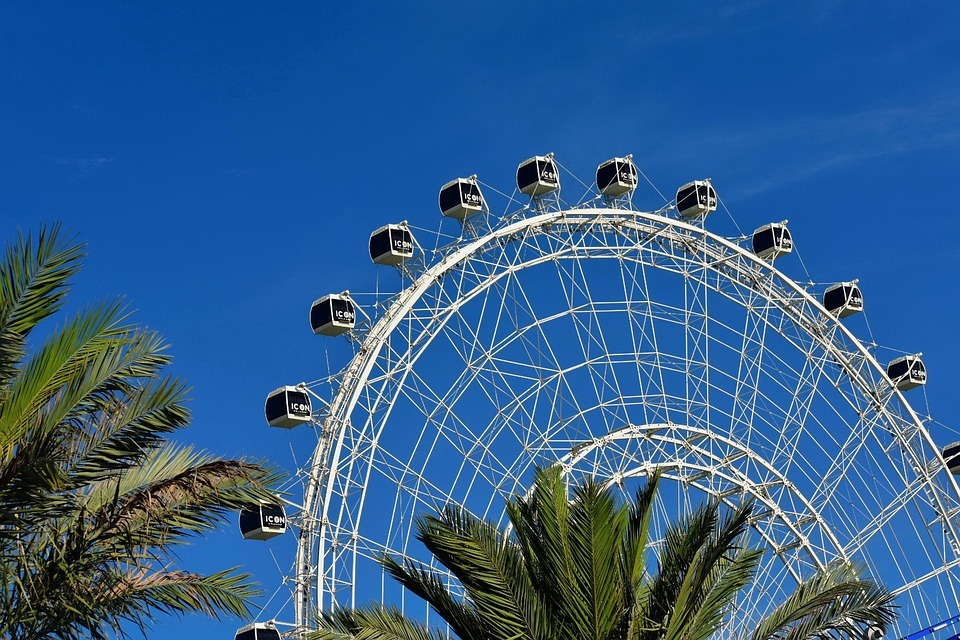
<point x="326" y="457"/>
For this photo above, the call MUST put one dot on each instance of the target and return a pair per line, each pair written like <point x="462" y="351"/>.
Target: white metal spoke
<point x="616" y="342"/>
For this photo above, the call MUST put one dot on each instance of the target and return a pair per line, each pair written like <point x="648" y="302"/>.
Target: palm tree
<point x="576" y="566"/>
<point x="94" y="501"/>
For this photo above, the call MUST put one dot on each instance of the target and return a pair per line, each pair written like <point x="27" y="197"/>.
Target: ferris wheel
<point x="615" y="342"/>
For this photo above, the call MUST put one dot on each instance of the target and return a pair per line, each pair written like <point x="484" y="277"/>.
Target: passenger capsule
<point x="617" y="176"/>
<point x="772" y="241"/>
<point x="843" y="299"/>
<point x="907" y="372"/>
<point x="696" y="199"/>
<point x="287" y="407"/>
<point x="391" y="244"/>
<point x="874" y="632"/>
<point x="461" y="198"/>
<point x="263" y="521"/>
<point x="258" y="631"/>
<point x="538" y="175"/>
<point x="333" y="314"/>
<point x="951" y="455"/>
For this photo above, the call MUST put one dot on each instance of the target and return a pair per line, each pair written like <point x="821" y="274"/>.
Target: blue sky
<point x="226" y="162"/>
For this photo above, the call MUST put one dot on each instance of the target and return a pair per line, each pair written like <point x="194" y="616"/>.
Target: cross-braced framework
<point x="616" y="342"/>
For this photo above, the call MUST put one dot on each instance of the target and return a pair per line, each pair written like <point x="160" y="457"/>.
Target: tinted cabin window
<point x="606" y="174"/>
<point x="249" y="634"/>
<point x="762" y="240"/>
<point x="320" y="314"/>
<point x="950" y="452"/>
<point x="343" y="311"/>
<point x="527" y="175"/>
<point x="450" y="197"/>
<point x="380" y="243"/>
<point x="268" y="634"/>
<point x="298" y="403"/>
<point x="687" y="198"/>
<point x="276" y="406"/>
<point x="249" y="520"/>
<point x="630" y="171"/>
<point x="834" y="298"/>
<point x="897" y="369"/>
<point x="918" y="368"/>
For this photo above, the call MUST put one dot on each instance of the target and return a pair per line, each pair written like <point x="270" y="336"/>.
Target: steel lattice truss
<point x="616" y="342"/>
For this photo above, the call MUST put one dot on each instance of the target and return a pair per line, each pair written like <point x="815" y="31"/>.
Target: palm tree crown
<point x="577" y="564"/>
<point x="93" y="499"/>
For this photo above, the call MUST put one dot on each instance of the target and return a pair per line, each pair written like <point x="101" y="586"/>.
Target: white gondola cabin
<point x="263" y="521"/>
<point x="333" y="314"/>
<point x="907" y="372"/>
<point x="617" y="176"/>
<point x="538" y="175"/>
<point x="696" y="199"/>
<point x="772" y="241"/>
<point x="461" y="198"/>
<point x="874" y="632"/>
<point x="843" y="299"/>
<point x="951" y="455"/>
<point x="287" y="407"/>
<point x="258" y="631"/>
<point x="391" y="244"/>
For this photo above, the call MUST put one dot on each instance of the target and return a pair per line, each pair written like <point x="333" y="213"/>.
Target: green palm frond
<point x="119" y="436"/>
<point x="377" y="622"/>
<point x="699" y="612"/>
<point x="634" y="559"/>
<point x="34" y="278"/>
<point x="135" y="595"/>
<point x="180" y="592"/>
<point x="574" y="565"/>
<point x="34" y="442"/>
<point x="174" y="493"/>
<point x="834" y="603"/>
<point x="542" y="523"/>
<point x="638" y="529"/>
<point x="681" y="545"/>
<point x="92" y="497"/>
<point x="426" y="584"/>
<point x="597" y="529"/>
<point x="65" y="400"/>
<point x="490" y="567"/>
<point x="55" y="366"/>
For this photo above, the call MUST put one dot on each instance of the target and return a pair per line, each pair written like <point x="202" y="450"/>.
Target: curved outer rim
<point x="327" y="454"/>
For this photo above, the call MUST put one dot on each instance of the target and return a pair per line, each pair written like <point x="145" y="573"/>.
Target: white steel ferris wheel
<point x="614" y="341"/>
